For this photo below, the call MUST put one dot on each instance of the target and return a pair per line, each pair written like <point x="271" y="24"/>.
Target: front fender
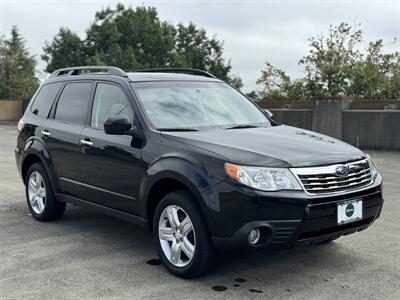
<point x="185" y="170"/>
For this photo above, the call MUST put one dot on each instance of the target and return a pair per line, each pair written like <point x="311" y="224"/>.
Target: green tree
<point x="393" y="85"/>
<point x="330" y="60"/>
<point x="17" y="68"/>
<point x="130" y="38"/>
<point x="194" y="49"/>
<point x="277" y="85"/>
<point x="376" y="76"/>
<point x="65" y="50"/>
<point x="335" y="66"/>
<point x="235" y="81"/>
<point x="135" y="38"/>
<point x="253" y="95"/>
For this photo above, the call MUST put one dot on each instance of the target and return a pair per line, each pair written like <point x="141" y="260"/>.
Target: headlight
<point x="372" y="166"/>
<point x="265" y="179"/>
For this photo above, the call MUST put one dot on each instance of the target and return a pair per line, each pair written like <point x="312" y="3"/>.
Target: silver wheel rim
<point x="36" y="192"/>
<point x="177" y="236"/>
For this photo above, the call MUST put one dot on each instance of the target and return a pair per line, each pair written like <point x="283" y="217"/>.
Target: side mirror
<point x="269" y="113"/>
<point x="118" y="125"/>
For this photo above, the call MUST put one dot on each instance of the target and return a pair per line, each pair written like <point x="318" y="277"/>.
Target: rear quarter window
<point x="44" y="100"/>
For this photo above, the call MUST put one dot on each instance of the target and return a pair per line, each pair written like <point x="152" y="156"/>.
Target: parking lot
<point x="86" y="255"/>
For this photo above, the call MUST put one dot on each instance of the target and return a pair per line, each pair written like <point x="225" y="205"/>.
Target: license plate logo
<point x="349" y="211"/>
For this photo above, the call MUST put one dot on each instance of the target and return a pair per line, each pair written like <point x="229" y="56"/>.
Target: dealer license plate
<point x="349" y="211"/>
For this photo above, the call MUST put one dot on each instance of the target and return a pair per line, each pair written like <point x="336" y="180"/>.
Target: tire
<point x="203" y="253"/>
<point x="42" y="202"/>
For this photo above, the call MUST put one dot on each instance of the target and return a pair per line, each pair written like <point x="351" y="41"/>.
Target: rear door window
<point x="44" y="100"/>
<point x="73" y="102"/>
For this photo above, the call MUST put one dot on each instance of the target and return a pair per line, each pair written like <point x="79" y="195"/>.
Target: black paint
<point x="236" y="285"/>
<point x="241" y="280"/>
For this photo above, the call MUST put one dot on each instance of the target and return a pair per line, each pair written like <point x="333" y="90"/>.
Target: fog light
<point x="254" y="236"/>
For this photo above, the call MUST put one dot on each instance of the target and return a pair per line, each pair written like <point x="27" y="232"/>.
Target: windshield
<point x="183" y="105"/>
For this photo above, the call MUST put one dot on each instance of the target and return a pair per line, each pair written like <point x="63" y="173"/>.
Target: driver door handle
<point x="86" y="142"/>
<point x="45" y="132"/>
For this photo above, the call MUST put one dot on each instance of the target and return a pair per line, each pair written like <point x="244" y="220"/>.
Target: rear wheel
<point x="40" y="197"/>
<point x="181" y="236"/>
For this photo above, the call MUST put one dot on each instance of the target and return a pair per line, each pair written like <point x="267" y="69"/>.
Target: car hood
<point x="277" y="146"/>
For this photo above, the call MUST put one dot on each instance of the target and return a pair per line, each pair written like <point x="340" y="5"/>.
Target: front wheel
<point x="181" y="236"/>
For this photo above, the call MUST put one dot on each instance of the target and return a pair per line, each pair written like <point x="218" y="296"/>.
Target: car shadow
<point x="85" y="242"/>
<point x="268" y="266"/>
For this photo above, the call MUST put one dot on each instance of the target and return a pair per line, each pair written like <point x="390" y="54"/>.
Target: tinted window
<point x="44" y="99"/>
<point x="73" y="102"/>
<point x="109" y="100"/>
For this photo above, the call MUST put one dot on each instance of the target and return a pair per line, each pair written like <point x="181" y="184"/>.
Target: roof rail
<point x="101" y="70"/>
<point x="178" y="70"/>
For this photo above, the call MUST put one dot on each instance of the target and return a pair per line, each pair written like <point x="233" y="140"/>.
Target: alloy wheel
<point x="177" y="236"/>
<point x="37" y="192"/>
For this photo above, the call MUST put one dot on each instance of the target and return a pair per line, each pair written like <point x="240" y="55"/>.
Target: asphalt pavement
<point x="87" y="255"/>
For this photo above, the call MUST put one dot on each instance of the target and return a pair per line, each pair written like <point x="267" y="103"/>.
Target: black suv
<point x="191" y="159"/>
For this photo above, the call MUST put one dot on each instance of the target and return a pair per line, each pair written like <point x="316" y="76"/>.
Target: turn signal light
<point x="232" y="170"/>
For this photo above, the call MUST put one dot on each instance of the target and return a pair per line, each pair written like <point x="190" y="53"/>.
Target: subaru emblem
<point x="342" y="171"/>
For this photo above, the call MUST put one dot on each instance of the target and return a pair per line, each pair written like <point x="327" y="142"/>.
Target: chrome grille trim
<point x="337" y="181"/>
<point x="323" y="180"/>
<point x="335" y="177"/>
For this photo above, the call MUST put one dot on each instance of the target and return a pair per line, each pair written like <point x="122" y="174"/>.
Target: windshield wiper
<point x="177" y="129"/>
<point x="240" y="126"/>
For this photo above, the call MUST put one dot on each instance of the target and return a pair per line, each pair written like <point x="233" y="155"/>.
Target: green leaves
<point x="277" y="85"/>
<point x="329" y="62"/>
<point x="17" y="68"/>
<point x="135" y="38"/>
<point x="66" y="48"/>
<point x="377" y="76"/>
<point x="335" y="66"/>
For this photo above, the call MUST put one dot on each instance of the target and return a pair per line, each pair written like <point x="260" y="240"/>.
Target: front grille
<point x="320" y="180"/>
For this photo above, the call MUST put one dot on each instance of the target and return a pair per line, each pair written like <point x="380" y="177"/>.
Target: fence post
<point x="327" y="115"/>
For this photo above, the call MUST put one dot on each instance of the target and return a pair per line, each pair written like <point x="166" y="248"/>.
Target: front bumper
<point x="315" y="220"/>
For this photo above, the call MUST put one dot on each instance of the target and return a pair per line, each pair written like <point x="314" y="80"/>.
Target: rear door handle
<point x="86" y="143"/>
<point x="45" y="132"/>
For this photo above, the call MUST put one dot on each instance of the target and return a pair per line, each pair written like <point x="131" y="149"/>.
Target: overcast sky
<point x="253" y="31"/>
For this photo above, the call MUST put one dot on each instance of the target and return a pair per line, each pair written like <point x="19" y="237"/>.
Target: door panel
<point x="111" y="167"/>
<point x="62" y="142"/>
<point x="61" y="133"/>
<point x="111" y="170"/>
